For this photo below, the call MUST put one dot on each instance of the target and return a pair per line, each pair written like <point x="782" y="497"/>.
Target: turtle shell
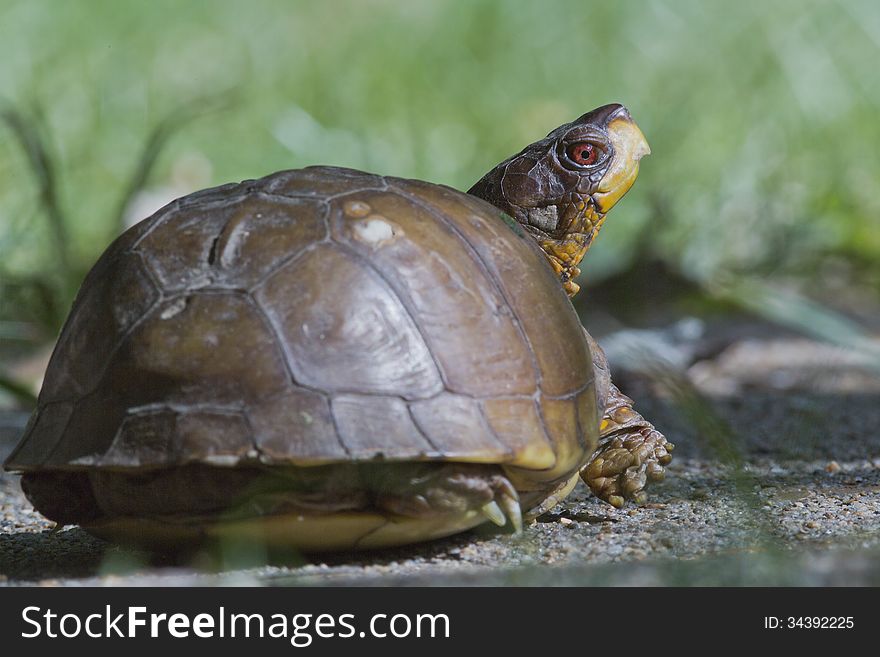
<point x="317" y="316"/>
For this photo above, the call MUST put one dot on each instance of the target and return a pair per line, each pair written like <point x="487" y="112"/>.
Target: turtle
<point x="329" y="359"/>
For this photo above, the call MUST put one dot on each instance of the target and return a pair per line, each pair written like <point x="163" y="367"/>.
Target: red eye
<point x="583" y="153"/>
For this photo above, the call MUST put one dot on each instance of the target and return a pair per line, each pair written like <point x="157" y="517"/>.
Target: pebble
<point x="791" y="446"/>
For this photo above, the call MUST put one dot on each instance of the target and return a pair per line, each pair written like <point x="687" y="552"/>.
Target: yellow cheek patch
<point x="630" y="146"/>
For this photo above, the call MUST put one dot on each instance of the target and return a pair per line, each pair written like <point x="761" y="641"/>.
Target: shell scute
<point x="344" y="330"/>
<point x="317" y="316"/>
<point x="469" y="326"/>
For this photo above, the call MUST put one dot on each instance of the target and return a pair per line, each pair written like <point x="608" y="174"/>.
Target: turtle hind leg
<point x="436" y="490"/>
<point x="631" y="453"/>
<point x="310" y="509"/>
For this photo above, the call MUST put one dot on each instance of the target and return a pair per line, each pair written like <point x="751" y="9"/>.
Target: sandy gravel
<point x="804" y="507"/>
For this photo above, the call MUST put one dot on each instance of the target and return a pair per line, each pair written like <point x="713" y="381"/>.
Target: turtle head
<point x="561" y="187"/>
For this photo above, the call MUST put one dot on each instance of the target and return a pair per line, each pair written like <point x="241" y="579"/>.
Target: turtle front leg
<point x="631" y="452"/>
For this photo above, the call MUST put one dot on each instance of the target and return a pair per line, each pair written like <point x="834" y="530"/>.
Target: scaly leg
<point x="434" y="490"/>
<point x="631" y="451"/>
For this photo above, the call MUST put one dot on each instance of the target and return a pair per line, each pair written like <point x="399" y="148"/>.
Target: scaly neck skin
<point x="565" y="249"/>
<point x="576" y="221"/>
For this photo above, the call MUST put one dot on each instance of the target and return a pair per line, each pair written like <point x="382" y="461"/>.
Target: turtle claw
<point x="453" y="489"/>
<point x="494" y="513"/>
<point x="615" y="500"/>
<point x="505" y="505"/>
<point x="513" y="512"/>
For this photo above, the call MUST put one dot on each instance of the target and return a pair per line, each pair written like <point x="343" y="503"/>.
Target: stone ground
<point x="776" y="480"/>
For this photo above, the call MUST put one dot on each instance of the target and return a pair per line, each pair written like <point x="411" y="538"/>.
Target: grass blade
<point x="155" y="144"/>
<point x="42" y="167"/>
<point x="803" y="315"/>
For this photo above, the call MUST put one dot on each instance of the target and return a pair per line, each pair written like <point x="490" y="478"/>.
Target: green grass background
<point x="763" y="116"/>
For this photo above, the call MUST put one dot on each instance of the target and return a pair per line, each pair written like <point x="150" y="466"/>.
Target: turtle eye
<point x="583" y="153"/>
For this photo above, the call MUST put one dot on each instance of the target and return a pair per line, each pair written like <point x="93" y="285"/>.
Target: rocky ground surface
<point x="776" y="480"/>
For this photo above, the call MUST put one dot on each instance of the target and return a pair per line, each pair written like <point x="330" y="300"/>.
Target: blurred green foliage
<point x="762" y="116"/>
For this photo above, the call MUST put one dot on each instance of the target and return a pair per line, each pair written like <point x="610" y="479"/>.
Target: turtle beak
<point x="629" y="146"/>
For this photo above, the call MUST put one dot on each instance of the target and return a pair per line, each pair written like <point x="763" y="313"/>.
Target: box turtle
<point x="330" y="359"/>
